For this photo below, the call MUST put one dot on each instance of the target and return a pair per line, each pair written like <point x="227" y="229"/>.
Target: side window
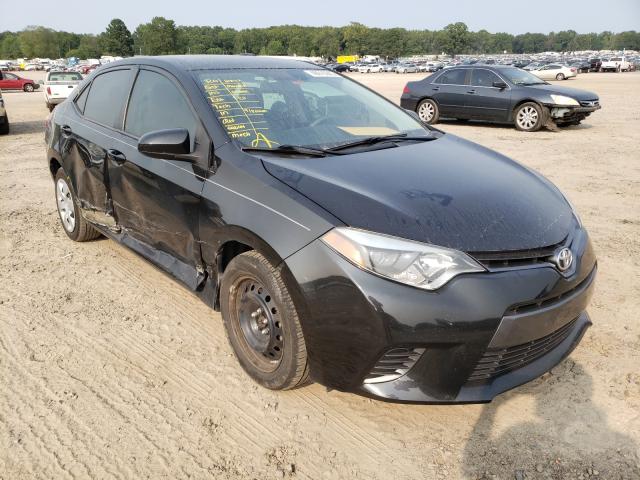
<point x="483" y="78"/>
<point x="454" y="76"/>
<point x="82" y="99"/>
<point x="156" y="104"/>
<point x="10" y="76"/>
<point x="108" y="95"/>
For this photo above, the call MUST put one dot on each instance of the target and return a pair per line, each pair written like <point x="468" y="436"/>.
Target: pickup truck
<point x="58" y="86"/>
<point x="615" y="64"/>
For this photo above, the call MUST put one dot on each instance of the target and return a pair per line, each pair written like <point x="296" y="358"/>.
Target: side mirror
<point x="500" y="85"/>
<point x="172" y="144"/>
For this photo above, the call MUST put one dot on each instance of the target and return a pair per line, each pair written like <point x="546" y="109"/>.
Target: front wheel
<point x="529" y="117"/>
<point x="28" y="88"/>
<point x="75" y="226"/>
<point x="428" y="111"/>
<point x="262" y="322"/>
<point x="4" y="128"/>
<point x="560" y="76"/>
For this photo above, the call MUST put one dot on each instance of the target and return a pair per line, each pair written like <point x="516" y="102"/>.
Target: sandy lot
<point x="110" y="369"/>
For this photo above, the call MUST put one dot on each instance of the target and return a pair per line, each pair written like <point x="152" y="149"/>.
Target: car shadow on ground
<point x="34" y="126"/>
<point x="566" y="420"/>
<point x="505" y="126"/>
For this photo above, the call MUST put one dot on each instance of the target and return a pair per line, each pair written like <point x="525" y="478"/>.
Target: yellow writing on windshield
<point x="239" y="109"/>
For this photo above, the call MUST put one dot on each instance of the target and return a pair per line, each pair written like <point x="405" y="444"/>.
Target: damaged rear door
<point x="156" y="201"/>
<point x="86" y="135"/>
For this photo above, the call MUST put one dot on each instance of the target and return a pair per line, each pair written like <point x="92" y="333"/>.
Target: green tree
<point x="117" y="39"/>
<point x="456" y="39"/>
<point x="158" y="37"/>
<point x="39" y="42"/>
<point x="10" y="46"/>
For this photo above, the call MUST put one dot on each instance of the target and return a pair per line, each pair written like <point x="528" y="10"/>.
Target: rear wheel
<point x="28" y="87"/>
<point x="560" y="76"/>
<point x="428" y="111"/>
<point x="75" y="226"/>
<point x="529" y="117"/>
<point x="262" y="322"/>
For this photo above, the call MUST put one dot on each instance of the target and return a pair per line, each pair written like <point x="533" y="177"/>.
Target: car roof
<point x="216" y="62"/>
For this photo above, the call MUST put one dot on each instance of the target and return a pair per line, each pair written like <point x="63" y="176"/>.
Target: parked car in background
<point x="497" y="94"/>
<point x="370" y="68"/>
<point x="4" y="118"/>
<point x="581" y="66"/>
<point x="349" y="245"/>
<point x="31" y="67"/>
<point x="58" y="86"/>
<point x="4" y="67"/>
<point x="615" y="64"/>
<point x="11" y="81"/>
<point x="555" y="71"/>
<point x="340" y="67"/>
<point x="594" y="64"/>
<point x="407" y="68"/>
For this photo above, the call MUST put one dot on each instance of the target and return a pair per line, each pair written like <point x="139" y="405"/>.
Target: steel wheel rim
<point x="426" y="111"/>
<point x="260" y="325"/>
<point x="527" y="117"/>
<point x="66" y="209"/>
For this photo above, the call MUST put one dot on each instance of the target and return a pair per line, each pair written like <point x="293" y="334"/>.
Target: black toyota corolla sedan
<point x="501" y="94"/>
<point x="343" y="241"/>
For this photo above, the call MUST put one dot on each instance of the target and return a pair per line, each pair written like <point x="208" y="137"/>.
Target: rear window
<point x="65" y="77"/>
<point x="455" y="76"/>
<point x="107" y="98"/>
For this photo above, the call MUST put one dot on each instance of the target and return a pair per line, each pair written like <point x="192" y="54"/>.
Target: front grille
<point x="516" y="258"/>
<point x="590" y="103"/>
<point x="498" y="361"/>
<point x="393" y="364"/>
<point x="550" y="301"/>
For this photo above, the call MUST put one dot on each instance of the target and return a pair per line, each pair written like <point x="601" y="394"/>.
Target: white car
<point x="373" y="68"/>
<point x="407" y="68"/>
<point x="31" y="67"/>
<point x="555" y="71"/>
<point x="615" y="64"/>
<point x="58" y="86"/>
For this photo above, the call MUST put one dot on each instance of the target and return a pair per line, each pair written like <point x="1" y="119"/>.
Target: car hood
<point x="576" y="93"/>
<point x="447" y="192"/>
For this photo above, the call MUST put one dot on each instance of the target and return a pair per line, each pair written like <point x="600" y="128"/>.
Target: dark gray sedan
<point x="497" y="94"/>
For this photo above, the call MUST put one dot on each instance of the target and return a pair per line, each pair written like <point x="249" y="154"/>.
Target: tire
<point x="529" y="117"/>
<point x="560" y="76"/>
<point x="50" y="107"/>
<point x="428" y="111"/>
<point x="4" y="128"/>
<point x="253" y="299"/>
<point x="28" y="88"/>
<point x="73" y="224"/>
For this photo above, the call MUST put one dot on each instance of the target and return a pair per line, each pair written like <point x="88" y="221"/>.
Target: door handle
<point x="436" y="88"/>
<point x="117" y="156"/>
<point x="66" y="129"/>
<point x="471" y="91"/>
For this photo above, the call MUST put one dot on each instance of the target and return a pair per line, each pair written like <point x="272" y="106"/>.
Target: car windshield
<point x="269" y="108"/>
<point x="616" y="59"/>
<point x="65" y="77"/>
<point x="520" y="77"/>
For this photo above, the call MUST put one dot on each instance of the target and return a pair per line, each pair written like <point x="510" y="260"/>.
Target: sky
<point x="512" y="16"/>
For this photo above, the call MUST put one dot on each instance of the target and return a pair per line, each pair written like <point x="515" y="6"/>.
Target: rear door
<point x="450" y="90"/>
<point x="156" y="201"/>
<point x="484" y="101"/>
<point x="88" y="129"/>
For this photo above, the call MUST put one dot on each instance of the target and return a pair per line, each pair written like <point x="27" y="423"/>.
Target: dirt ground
<point x="110" y="369"/>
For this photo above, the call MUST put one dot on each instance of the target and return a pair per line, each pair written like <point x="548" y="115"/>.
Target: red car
<point x="11" y="81"/>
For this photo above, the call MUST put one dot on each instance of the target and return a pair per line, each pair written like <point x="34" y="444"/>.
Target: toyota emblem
<point x="564" y="259"/>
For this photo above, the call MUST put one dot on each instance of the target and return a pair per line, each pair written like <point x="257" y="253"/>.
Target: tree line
<point x="162" y="36"/>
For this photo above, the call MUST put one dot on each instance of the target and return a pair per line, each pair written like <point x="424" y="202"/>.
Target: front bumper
<point x="571" y="114"/>
<point x="469" y="336"/>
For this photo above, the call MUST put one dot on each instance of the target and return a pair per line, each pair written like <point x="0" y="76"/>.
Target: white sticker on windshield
<point x="321" y="73"/>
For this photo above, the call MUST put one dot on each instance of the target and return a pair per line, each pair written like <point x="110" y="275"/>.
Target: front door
<point x="10" y="81"/>
<point x="156" y="201"/>
<point x="484" y="101"/>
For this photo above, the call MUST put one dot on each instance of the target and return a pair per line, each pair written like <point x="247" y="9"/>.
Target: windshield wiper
<point x="380" y="139"/>
<point x="290" y="149"/>
<point x="528" y="84"/>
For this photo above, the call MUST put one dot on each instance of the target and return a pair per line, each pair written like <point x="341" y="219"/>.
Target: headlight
<point x="562" y="100"/>
<point x="405" y="261"/>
